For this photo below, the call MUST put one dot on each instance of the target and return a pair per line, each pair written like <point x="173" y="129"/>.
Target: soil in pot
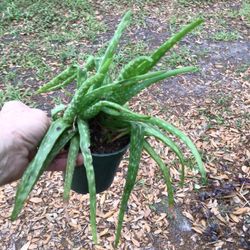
<point x="103" y="140"/>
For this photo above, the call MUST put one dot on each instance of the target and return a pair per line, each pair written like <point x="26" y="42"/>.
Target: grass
<point x="224" y="100"/>
<point x="61" y="37"/>
<point x="10" y="92"/>
<point x="180" y="57"/>
<point x="177" y="20"/>
<point x="34" y="35"/>
<point x="187" y="3"/>
<point x="245" y="12"/>
<point x="54" y="21"/>
<point x="70" y="53"/>
<point x="142" y="9"/>
<point x="223" y="103"/>
<point x="219" y="22"/>
<point x="225" y="36"/>
<point x="213" y="119"/>
<point x="42" y="16"/>
<point x="233" y="13"/>
<point x="242" y="69"/>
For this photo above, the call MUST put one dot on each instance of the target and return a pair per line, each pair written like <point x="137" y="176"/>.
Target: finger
<point x="64" y="155"/>
<point x="60" y="162"/>
<point x="79" y="160"/>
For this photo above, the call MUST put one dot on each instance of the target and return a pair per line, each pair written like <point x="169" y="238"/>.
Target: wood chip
<point x="25" y="246"/>
<point x="242" y="210"/>
<point x="135" y="242"/>
<point x="36" y="200"/>
<point x="234" y="218"/>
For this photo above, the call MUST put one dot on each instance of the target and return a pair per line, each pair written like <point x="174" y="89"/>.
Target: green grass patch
<point x="225" y="36"/>
<point x="224" y="100"/>
<point x="27" y="61"/>
<point x="181" y="56"/>
<point x="245" y="12"/>
<point x="176" y="21"/>
<point x="46" y="17"/>
<point x="242" y="68"/>
<point x="34" y="35"/>
<point x="10" y="92"/>
<point x="187" y="3"/>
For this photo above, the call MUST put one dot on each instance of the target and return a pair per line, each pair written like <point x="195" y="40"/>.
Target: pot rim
<point x="113" y="153"/>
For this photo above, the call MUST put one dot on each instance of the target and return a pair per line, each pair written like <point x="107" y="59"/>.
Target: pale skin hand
<point x="21" y="130"/>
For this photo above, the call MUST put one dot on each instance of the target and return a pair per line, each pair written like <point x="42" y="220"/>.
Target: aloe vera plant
<point x="97" y="95"/>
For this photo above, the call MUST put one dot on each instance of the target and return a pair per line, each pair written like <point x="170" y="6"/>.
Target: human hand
<point x="21" y="130"/>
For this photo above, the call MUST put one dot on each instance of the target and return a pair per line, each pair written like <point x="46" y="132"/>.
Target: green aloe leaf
<point x="98" y="61"/>
<point x="75" y="104"/>
<point x="173" y="130"/>
<point x="71" y="162"/>
<point x="151" y="131"/>
<point x="64" y="78"/>
<point x="61" y="85"/>
<point x="123" y="91"/>
<point x="57" y="109"/>
<point x="136" y="146"/>
<point x="143" y="64"/>
<point x="108" y="56"/>
<point x="90" y="63"/>
<point x="166" y="46"/>
<point x="59" y="145"/>
<point x="98" y="107"/>
<point x="88" y="164"/>
<point x="37" y="165"/>
<point x="128" y="90"/>
<point x="110" y="108"/>
<point x="82" y="76"/>
<point x="161" y="51"/>
<point x="164" y="169"/>
<point x="134" y="67"/>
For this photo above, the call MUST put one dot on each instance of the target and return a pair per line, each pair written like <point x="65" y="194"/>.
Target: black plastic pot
<point x="105" y="166"/>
